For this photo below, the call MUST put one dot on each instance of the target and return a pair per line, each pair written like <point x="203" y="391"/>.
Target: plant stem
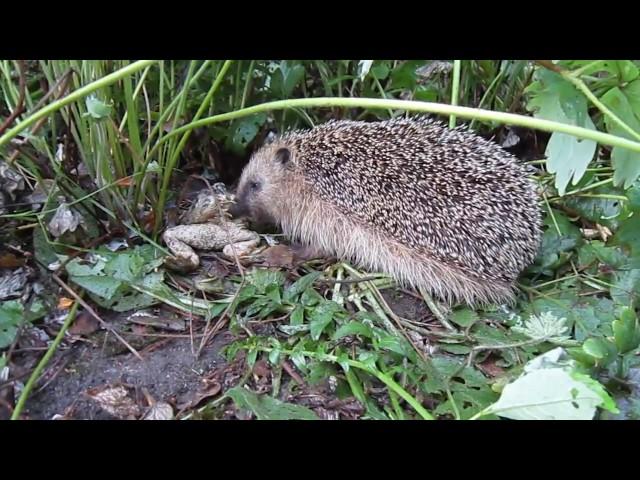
<point x="455" y="90"/>
<point x="43" y="362"/>
<point x="416" y="106"/>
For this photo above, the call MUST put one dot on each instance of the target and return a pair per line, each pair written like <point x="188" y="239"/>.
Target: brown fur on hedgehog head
<point x="261" y="192"/>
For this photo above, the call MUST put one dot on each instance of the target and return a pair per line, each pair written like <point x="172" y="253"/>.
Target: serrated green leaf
<point x="11" y="312"/>
<point x="464" y="317"/>
<point x="633" y="194"/>
<point x="300" y="285"/>
<point x="243" y="132"/>
<point x="394" y="344"/>
<point x="321" y="317"/>
<point x="263" y="278"/>
<point x="626" y="287"/>
<point x="343" y="361"/>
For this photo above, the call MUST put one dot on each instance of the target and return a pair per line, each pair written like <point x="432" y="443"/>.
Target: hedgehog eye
<point x="254" y="186"/>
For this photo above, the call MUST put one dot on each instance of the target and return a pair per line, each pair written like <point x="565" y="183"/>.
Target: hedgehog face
<point x="259" y="189"/>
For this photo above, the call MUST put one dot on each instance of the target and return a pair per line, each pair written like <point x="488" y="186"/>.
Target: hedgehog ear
<point x="283" y="156"/>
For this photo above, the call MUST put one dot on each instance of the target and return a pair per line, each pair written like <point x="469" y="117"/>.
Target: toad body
<point x="206" y="226"/>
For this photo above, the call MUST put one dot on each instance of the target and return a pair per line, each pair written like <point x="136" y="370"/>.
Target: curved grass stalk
<point x="414" y="106"/>
<point x="72" y="97"/>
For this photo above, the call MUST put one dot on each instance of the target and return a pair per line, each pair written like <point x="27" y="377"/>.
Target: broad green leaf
<point x="627" y="71"/>
<point x="455" y="349"/>
<point x="395" y="344"/>
<point x="380" y="71"/>
<point x="602" y="350"/>
<point x="625" y="162"/>
<point x="12" y="314"/>
<point x="352" y="328"/>
<point x="96" y="108"/>
<point x="611" y="256"/>
<point x="632" y="92"/>
<point x="553" y="98"/>
<point x="297" y="316"/>
<point x="605" y="211"/>
<point x="274" y="356"/>
<point x="369" y="359"/>
<point x="633" y="194"/>
<point x="100" y="285"/>
<point x="243" y="132"/>
<point x="548" y="394"/>
<point x="568" y="157"/>
<point x="268" y="408"/>
<point x="125" y="266"/>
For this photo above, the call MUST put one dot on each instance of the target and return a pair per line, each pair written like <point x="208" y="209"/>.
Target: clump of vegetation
<point x="96" y="157"/>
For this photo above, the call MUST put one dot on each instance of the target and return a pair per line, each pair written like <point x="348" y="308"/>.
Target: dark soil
<point x="170" y="373"/>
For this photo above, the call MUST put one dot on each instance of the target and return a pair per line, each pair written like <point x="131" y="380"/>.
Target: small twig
<point x="219" y="324"/>
<point x="92" y="312"/>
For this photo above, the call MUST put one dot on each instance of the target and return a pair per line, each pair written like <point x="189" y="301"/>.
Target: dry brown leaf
<point x="9" y="260"/>
<point x="278" y="256"/>
<point x="124" y="182"/>
<point x="84" y="324"/>
<point x="211" y="389"/>
<point x="491" y="369"/>
<point x="64" y="303"/>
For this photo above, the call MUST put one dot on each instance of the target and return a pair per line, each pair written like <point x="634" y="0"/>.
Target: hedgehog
<point x="441" y="210"/>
